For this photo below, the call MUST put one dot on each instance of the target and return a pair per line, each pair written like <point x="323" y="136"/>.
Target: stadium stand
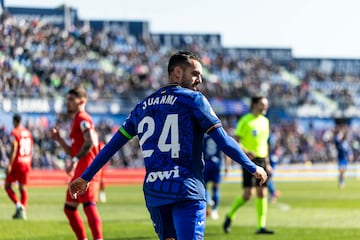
<point x="41" y="57"/>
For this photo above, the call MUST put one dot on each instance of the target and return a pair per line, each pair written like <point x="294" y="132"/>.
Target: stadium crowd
<point x="38" y="60"/>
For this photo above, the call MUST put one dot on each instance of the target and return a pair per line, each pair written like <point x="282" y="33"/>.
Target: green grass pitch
<point x="305" y="210"/>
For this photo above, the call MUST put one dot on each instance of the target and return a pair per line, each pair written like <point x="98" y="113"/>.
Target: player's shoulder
<point x="265" y="119"/>
<point x="193" y="99"/>
<point x="82" y="116"/>
<point x="171" y="93"/>
<point x="18" y="131"/>
<point x="26" y="131"/>
<point x="15" y="132"/>
<point x="185" y="92"/>
<point x="246" y="117"/>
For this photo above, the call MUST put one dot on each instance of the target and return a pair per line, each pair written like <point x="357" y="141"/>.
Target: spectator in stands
<point x="133" y="67"/>
<point x="83" y="148"/>
<point x="19" y="166"/>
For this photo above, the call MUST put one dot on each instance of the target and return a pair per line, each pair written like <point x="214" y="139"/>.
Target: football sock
<point x="75" y="221"/>
<point x="341" y="180"/>
<point x="94" y="219"/>
<point x="10" y="192"/>
<point x="24" y="197"/>
<point x="239" y="201"/>
<point x="102" y="185"/>
<point x="261" y="210"/>
<point x="271" y="187"/>
<point x="207" y="196"/>
<point x="216" y="196"/>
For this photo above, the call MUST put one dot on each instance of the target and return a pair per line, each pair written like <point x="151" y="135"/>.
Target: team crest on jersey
<point x="254" y="132"/>
<point x="84" y="125"/>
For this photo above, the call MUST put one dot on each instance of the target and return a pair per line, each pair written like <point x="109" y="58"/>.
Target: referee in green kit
<point x="252" y="132"/>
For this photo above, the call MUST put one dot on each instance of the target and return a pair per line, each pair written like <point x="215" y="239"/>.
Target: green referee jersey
<point x="254" y="134"/>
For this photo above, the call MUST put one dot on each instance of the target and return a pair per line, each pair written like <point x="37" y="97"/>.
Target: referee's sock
<point x="239" y="201"/>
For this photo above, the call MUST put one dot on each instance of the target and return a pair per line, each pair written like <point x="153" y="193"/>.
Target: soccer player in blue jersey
<point x="170" y="125"/>
<point x="344" y="152"/>
<point x="214" y="159"/>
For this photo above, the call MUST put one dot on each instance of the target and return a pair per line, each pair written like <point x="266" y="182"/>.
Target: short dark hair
<point x="79" y="92"/>
<point x="181" y="58"/>
<point x="256" y="99"/>
<point x="17" y="118"/>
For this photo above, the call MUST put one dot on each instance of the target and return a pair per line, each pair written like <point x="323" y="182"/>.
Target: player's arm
<point x="56" y="136"/>
<point x="267" y="158"/>
<point x="269" y="167"/>
<point x="79" y="185"/>
<point x="227" y="161"/>
<point x="14" y="149"/>
<point x="90" y="140"/>
<point x="231" y="148"/>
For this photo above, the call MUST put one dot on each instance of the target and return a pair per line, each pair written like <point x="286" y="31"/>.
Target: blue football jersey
<point x="170" y="125"/>
<point x="213" y="158"/>
<point x="343" y="148"/>
<point x="212" y="152"/>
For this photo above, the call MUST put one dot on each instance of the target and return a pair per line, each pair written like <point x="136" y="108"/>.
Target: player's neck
<point x="256" y="113"/>
<point x="77" y="112"/>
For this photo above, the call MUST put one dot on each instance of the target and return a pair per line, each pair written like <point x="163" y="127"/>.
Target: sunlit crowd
<point x="41" y="60"/>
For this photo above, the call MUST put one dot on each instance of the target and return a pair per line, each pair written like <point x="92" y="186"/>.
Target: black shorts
<point x="250" y="180"/>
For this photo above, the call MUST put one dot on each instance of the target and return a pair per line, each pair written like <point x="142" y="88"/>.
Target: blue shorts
<point x="181" y="220"/>
<point x="212" y="172"/>
<point x="342" y="163"/>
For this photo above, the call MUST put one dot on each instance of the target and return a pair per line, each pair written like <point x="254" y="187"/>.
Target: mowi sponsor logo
<point x="162" y="175"/>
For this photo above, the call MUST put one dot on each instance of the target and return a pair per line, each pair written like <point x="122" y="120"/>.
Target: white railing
<point x="318" y="172"/>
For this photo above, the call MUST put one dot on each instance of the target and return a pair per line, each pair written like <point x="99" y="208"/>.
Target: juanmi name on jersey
<point x="166" y="99"/>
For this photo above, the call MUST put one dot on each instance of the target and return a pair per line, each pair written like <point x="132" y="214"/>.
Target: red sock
<point x="94" y="220"/>
<point x="75" y="221"/>
<point x="24" y="197"/>
<point x="102" y="186"/>
<point x="11" y="194"/>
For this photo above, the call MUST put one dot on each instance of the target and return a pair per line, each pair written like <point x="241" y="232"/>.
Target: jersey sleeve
<point x="13" y="137"/>
<point x="205" y="114"/>
<point x="231" y="148"/>
<point x="85" y="125"/>
<point x="83" y="120"/>
<point x="128" y="128"/>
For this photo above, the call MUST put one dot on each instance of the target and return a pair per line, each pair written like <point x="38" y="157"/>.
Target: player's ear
<point x="178" y="72"/>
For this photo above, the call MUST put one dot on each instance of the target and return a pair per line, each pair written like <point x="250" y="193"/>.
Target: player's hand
<point x="78" y="186"/>
<point x="269" y="169"/>
<point x="260" y="173"/>
<point x="69" y="166"/>
<point x="55" y="134"/>
<point x="226" y="171"/>
<point x="8" y="170"/>
<point x="250" y="155"/>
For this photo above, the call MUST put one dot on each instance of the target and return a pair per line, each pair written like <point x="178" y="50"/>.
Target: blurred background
<point x="304" y="57"/>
